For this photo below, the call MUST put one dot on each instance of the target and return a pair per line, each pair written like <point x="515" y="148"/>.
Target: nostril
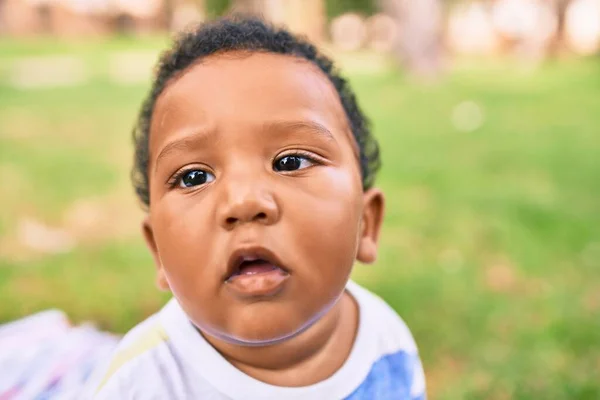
<point x="258" y="217"/>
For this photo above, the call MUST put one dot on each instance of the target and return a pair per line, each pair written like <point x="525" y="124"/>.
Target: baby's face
<point x="257" y="212"/>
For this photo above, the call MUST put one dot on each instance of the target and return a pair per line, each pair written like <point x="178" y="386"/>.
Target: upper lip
<point x="249" y="253"/>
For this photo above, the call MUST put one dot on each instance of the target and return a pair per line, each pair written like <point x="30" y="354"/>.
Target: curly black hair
<point x="254" y="35"/>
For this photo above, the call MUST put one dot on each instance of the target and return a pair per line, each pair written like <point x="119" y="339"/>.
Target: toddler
<point x="256" y="167"/>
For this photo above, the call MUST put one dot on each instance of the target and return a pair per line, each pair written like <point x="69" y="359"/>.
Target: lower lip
<point x="266" y="281"/>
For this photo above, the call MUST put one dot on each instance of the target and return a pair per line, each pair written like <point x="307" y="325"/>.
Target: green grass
<point x="490" y="249"/>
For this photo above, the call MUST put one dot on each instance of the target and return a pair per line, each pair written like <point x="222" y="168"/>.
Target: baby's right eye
<point x="195" y="177"/>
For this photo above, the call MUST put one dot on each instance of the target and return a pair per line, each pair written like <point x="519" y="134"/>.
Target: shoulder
<point x="143" y="355"/>
<point x="395" y="368"/>
<point x="392" y="332"/>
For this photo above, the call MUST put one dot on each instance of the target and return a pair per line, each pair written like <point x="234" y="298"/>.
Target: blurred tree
<point x="168" y="10"/>
<point x="182" y="13"/>
<point x="560" y="7"/>
<point x="306" y="17"/>
<point x="256" y="7"/>
<point x="335" y="8"/>
<point x="419" y="46"/>
<point x="216" y="8"/>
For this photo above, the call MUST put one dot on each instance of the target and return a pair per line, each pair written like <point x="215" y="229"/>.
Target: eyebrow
<point x="310" y="126"/>
<point x="195" y="138"/>
<point x="207" y="136"/>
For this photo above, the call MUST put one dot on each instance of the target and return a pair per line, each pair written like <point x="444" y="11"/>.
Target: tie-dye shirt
<point x="165" y="358"/>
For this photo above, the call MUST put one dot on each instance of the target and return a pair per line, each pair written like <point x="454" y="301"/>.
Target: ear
<point x="372" y="218"/>
<point x="161" y="279"/>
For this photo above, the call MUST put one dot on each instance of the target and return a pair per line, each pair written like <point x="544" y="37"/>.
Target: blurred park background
<point x="488" y="114"/>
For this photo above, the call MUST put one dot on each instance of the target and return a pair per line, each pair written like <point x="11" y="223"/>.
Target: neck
<point x="308" y="358"/>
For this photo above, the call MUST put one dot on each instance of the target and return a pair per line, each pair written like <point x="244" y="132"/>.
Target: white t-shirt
<point x="165" y="357"/>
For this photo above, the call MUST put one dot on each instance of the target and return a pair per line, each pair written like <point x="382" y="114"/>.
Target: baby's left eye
<point x="292" y="163"/>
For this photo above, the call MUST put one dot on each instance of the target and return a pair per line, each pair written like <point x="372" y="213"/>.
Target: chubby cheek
<point x="183" y="240"/>
<point x="327" y="221"/>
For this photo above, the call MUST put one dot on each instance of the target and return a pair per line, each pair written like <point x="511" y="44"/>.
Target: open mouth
<point x="253" y="267"/>
<point x="253" y="261"/>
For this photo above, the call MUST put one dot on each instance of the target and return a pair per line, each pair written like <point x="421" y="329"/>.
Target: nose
<point x="248" y="202"/>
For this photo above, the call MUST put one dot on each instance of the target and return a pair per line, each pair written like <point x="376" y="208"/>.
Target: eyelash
<point x="312" y="157"/>
<point x="174" y="181"/>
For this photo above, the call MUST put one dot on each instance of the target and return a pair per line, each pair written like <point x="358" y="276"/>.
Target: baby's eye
<point x="292" y="163"/>
<point x="195" y="177"/>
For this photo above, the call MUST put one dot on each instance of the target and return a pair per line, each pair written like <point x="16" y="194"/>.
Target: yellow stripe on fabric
<point x="148" y="340"/>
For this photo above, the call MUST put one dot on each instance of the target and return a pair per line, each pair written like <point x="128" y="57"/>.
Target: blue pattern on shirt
<point x="390" y="378"/>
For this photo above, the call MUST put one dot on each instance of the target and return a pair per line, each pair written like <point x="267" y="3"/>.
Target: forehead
<point x="248" y="89"/>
